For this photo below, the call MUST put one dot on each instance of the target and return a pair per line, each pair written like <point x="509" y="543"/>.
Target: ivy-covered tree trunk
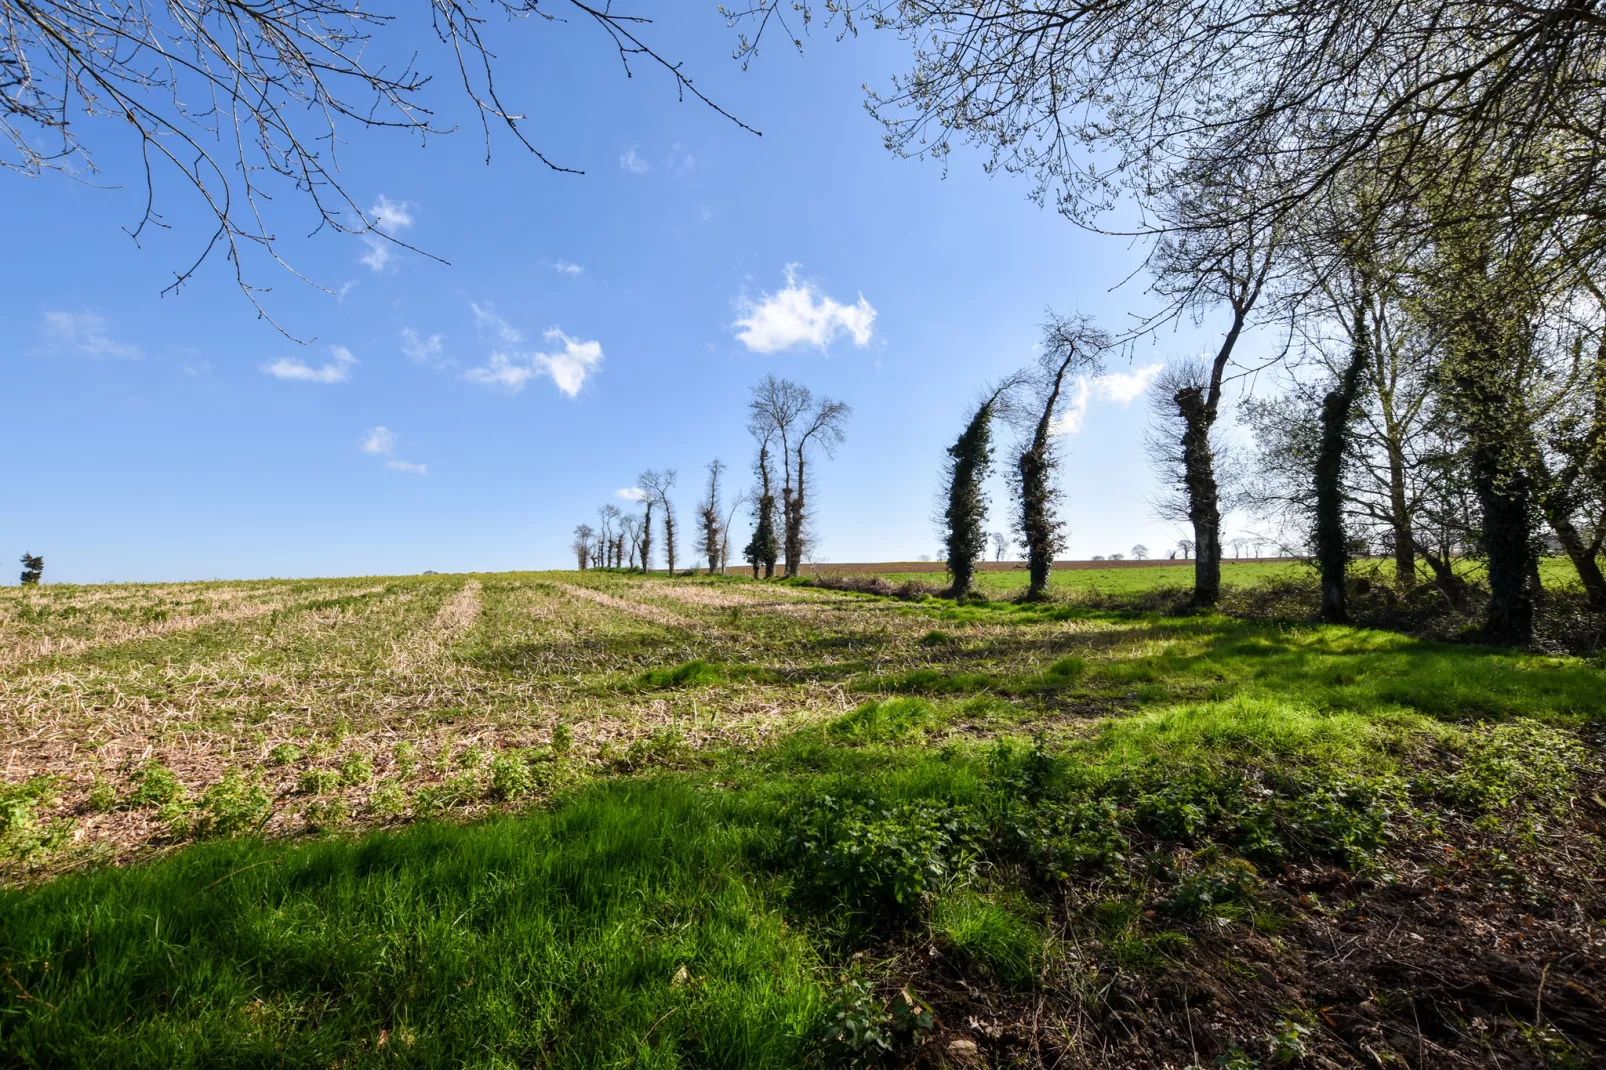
<point x="1204" y="496"/>
<point x="646" y="538"/>
<point x="1331" y="545"/>
<point x="968" y="461"/>
<point x="1039" y="528"/>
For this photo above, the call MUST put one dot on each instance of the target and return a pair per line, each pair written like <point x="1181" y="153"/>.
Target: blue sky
<point x="465" y="416"/>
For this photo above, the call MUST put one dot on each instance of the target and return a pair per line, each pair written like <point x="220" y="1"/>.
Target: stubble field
<point x="590" y="819"/>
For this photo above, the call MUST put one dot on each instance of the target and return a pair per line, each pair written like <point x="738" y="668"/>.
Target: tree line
<point x="791" y="429"/>
<point x="1408" y="194"/>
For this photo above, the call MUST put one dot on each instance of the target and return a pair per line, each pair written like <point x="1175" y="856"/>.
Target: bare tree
<point x="1069" y="344"/>
<point x="244" y="104"/>
<point x="630" y="534"/>
<point x="582" y="545"/>
<point x="788" y="413"/>
<point x="1140" y="552"/>
<point x="708" y="512"/>
<point x="1000" y="545"/>
<point x="741" y="499"/>
<point x="1186" y="547"/>
<point x="607" y="517"/>
<point x="657" y="485"/>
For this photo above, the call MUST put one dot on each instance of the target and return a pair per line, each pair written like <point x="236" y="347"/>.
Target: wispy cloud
<point x="1120" y="387"/>
<point x="569" y="367"/>
<point x="800" y="315"/>
<point x="380" y="440"/>
<point x="485" y="315"/>
<point x="84" y="333"/>
<point x="388" y="218"/>
<point x="631" y="494"/>
<point x="337" y="370"/>
<point x="680" y="162"/>
<point x="565" y="268"/>
<point x="633" y="163"/>
<point x="420" y="350"/>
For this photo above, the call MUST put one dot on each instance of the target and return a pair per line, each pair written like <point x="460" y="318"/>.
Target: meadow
<point x="598" y="819"/>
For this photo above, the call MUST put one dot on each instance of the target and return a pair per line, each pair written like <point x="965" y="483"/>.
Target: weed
<point x="691" y="674"/>
<point x="22" y="835"/>
<point x="862" y="1031"/>
<point x="317" y="781"/>
<point x="284" y="754"/>
<point x="232" y="806"/>
<point x="406" y="755"/>
<point x="102" y="798"/>
<point x="155" y="785"/>
<point x="388" y="800"/>
<point x="356" y="768"/>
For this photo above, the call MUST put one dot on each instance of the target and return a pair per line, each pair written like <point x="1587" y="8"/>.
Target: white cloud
<point x="408" y="466"/>
<point x="389" y="217"/>
<point x="380" y="440"/>
<point x="336" y="371"/>
<point x="1120" y="387"/>
<point x="565" y="268"/>
<point x="680" y="162"/>
<point x="486" y="317"/>
<point x="631" y="494"/>
<point x="1070" y="419"/>
<point x="422" y="350"/>
<point x="1125" y="386"/>
<point x="800" y="315"/>
<point x="502" y="370"/>
<point x="568" y="367"/>
<point x="85" y="333"/>
<point x="633" y="163"/>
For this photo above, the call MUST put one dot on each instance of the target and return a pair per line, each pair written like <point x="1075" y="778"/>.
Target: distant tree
<point x="740" y="500"/>
<point x="1067" y="344"/>
<point x="764" y="547"/>
<point x="657" y="485"/>
<point x="646" y="534"/>
<point x="708" y="514"/>
<point x="582" y="545"/>
<point x="1098" y="557"/>
<point x="923" y="557"/>
<point x="607" y="519"/>
<point x="630" y="536"/>
<point x="1000" y="545"/>
<point x="1117" y="557"/>
<point x="33" y="567"/>
<point x="1186" y="546"/>
<point x="788" y="413"/>
<point x="1140" y="552"/>
<point x="965" y="504"/>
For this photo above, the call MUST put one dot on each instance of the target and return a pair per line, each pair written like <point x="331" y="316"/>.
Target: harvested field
<point x="706" y="821"/>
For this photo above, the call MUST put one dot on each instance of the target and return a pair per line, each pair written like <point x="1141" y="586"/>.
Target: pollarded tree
<point x="965" y="505"/>
<point x="657" y="485"/>
<point x="788" y="414"/>
<point x="582" y="545"/>
<point x="764" y="546"/>
<point x="1069" y="345"/>
<point x="708" y="513"/>
<point x="33" y="568"/>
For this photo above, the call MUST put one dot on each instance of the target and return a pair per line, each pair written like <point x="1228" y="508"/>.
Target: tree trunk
<point x="646" y="540"/>
<point x="669" y="535"/>
<point x="1504" y="492"/>
<point x="1332" y="553"/>
<point x="1400" y="510"/>
<point x="1580" y="554"/>
<point x="1204" y="497"/>
<point x="794" y="520"/>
